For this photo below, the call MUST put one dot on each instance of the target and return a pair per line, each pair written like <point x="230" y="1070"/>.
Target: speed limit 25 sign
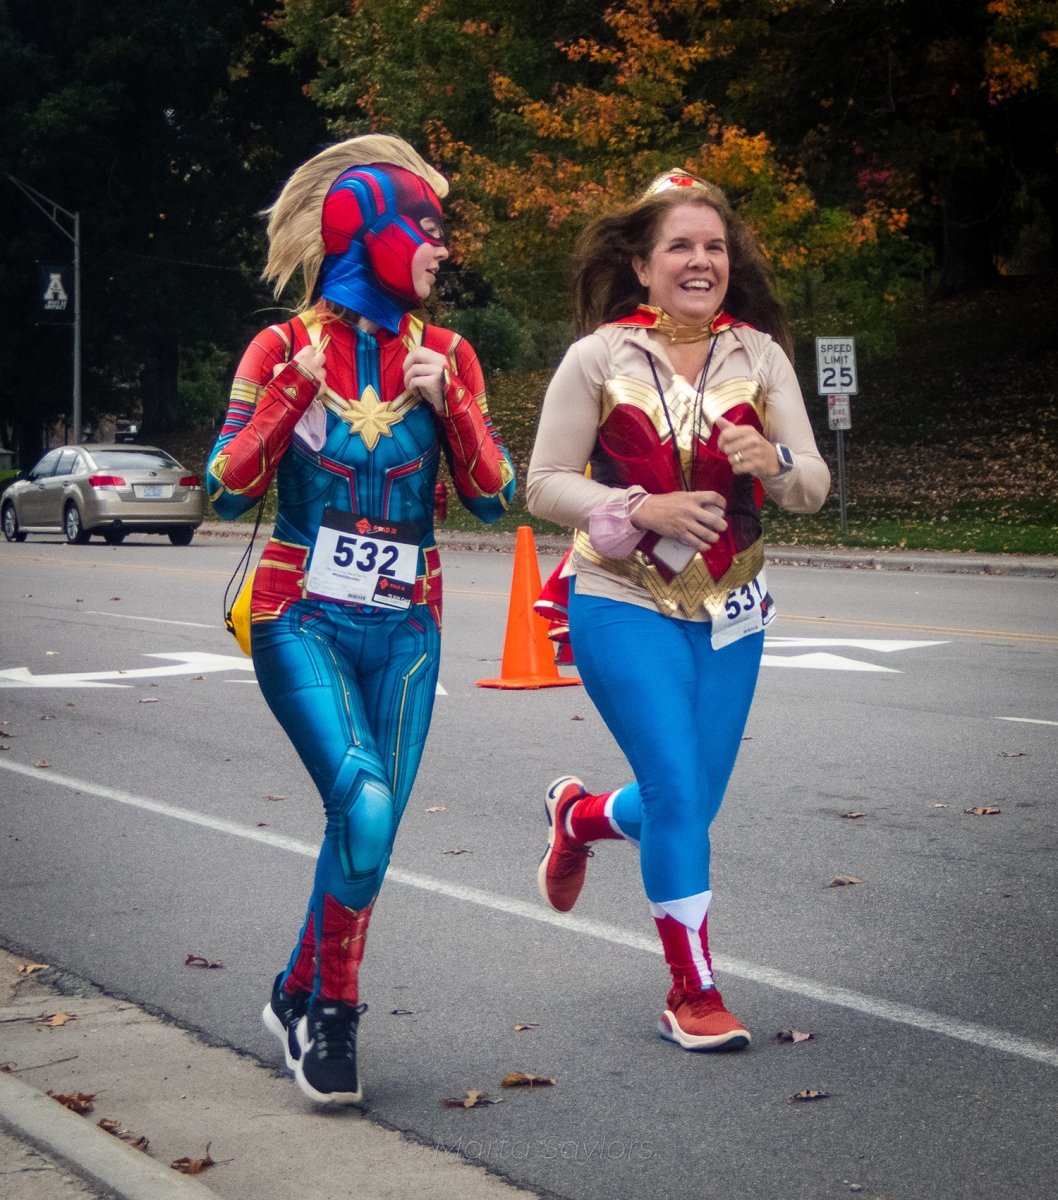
<point x="836" y="366"/>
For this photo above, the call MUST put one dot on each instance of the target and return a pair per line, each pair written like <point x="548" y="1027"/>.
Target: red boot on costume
<point x="326" y="1070"/>
<point x="694" y="1017"/>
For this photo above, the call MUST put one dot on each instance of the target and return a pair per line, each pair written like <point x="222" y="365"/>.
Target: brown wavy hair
<point x="605" y="286"/>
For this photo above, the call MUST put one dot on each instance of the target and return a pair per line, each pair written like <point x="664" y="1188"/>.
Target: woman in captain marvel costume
<point x="683" y="402"/>
<point x="349" y="406"/>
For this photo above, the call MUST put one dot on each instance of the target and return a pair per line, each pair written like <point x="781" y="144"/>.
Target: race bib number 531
<point x="360" y="560"/>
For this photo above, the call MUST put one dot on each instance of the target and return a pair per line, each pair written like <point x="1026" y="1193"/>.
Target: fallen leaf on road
<point x="80" y="602"/>
<point x="403" y="1012"/>
<point x="29" y="968"/>
<point x="115" y="597"/>
<point x="78" y="1102"/>
<point x="42" y="763"/>
<point x="521" y="1079"/>
<point x="5" y="747"/>
<point x="54" y="1020"/>
<point x="1012" y="754"/>
<point x="196" y="960"/>
<point x="193" y="1166"/>
<point x="576" y="718"/>
<point x="149" y="700"/>
<point x="136" y="1140"/>
<point x="262" y="824"/>
<point x="793" y="1035"/>
<point x="525" y="1025"/>
<point x="471" y="1100"/>
<point x="51" y="652"/>
<point x="437" y="808"/>
<point x="3" y="734"/>
<point x="983" y="811"/>
<point x="457" y="851"/>
<point x="808" y="1094"/>
<point x="275" y="797"/>
<point x="843" y="881"/>
<point x="197" y="678"/>
<point x="938" y="806"/>
<point x="852" y="816"/>
<point x="1007" y="896"/>
<point x="50" y="718"/>
<point x="70" y="704"/>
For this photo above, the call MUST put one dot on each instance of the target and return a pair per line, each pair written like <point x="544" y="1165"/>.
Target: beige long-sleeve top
<point x="557" y="487"/>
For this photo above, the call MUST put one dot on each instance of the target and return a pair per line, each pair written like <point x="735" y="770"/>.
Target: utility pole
<point x="43" y="203"/>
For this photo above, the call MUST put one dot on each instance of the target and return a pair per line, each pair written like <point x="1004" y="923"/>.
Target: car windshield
<point x="133" y="460"/>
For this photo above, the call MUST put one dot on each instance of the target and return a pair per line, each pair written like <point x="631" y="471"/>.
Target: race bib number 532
<point x="361" y="560"/>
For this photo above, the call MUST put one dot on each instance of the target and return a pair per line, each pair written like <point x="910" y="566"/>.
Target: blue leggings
<point x="677" y="709"/>
<point x="354" y="692"/>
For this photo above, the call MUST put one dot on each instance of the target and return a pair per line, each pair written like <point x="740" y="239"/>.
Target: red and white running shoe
<point x="560" y="875"/>
<point x="699" y="1021"/>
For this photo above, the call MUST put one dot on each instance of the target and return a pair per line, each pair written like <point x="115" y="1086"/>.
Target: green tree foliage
<point x="864" y="139"/>
<point x="167" y="126"/>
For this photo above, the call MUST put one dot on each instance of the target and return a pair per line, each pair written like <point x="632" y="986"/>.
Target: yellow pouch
<point x="238" y="620"/>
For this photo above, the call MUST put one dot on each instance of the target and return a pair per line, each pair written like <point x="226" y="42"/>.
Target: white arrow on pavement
<point x="823" y="662"/>
<point x="885" y="645"/>
<point x="198" y="663"/>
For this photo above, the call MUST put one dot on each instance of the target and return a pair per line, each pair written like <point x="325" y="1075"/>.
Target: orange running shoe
<point x="560" y="875"/>
<point x="699" y="1021"/>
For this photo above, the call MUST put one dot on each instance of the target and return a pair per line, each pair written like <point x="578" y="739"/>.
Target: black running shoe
<point x="281" y="1016"/>
<point x="326" y="1070"/>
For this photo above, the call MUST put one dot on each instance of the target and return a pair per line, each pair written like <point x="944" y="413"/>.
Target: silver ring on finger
<point x="738" y="456"/>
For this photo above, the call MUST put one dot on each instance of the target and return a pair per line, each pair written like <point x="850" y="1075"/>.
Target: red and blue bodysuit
<point x="353" y="684"/>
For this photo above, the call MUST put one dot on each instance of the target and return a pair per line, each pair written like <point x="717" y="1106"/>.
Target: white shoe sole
<point x="551" y="797"/>
<point x="274" y="1025"/>
<point x="670" y="1030"/>
<point x="330" y="1098"/>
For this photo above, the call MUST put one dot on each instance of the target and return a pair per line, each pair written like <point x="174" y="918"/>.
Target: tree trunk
<point x="969" y="211"/>
<point x="158" y="388"/>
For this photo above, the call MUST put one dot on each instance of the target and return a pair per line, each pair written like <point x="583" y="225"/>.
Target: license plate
<point x="152" y="491"/>
<point x="359" y="560"/>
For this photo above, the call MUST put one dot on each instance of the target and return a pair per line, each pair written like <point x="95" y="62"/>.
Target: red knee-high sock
<point x="588" y="820"/>
<point x="342" y="949"/>
<point x="687" y="953"/>
<point x="303" y="976"/>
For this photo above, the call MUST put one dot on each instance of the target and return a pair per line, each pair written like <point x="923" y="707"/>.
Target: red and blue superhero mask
<point x="372" y="226"/>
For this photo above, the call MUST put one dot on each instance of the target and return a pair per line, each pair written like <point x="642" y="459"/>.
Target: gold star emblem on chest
<point x="368" y="416"/>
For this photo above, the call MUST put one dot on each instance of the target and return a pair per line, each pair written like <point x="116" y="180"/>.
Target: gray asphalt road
<point x="955" y="914"/>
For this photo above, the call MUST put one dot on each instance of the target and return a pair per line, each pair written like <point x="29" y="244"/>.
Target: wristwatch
<point x="785" y="458"/>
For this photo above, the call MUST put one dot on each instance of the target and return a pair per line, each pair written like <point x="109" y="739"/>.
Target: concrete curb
<point x="931" y="562"/>
<point x="97" y="1157"/>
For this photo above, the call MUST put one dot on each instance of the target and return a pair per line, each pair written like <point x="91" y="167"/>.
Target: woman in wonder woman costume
<point x="683" y="401"/>
<point x="348" y="406"/>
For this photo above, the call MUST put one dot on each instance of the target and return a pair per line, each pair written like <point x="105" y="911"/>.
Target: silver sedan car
<point x="108" y="490"/>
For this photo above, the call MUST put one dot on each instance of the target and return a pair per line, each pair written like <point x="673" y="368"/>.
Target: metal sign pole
<point x="836" y="368"/>
<point x="841" y="478"/>
<point x="39" y="200"/>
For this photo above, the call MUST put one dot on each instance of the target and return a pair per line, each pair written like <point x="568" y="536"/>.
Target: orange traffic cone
<point x="528" y="655"/>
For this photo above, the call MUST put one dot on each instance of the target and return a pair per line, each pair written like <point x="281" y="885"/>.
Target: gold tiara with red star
<point x="675" y="178"/>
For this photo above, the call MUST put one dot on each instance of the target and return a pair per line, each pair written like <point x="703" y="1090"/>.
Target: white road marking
<point x="871" y="1006"/>
<point x="884" y="645"/>
<point x="439" y="691"/>
<point x="823" y="662"/>
<point x="194" y="663"/>
<point x="155" y="620"/>
<point x="1027" y="720"/>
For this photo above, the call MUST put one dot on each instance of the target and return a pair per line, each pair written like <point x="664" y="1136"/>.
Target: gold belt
<point x="689" y="590"/>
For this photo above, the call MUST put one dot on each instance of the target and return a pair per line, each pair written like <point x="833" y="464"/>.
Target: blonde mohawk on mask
<point x="295" y="238"/>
